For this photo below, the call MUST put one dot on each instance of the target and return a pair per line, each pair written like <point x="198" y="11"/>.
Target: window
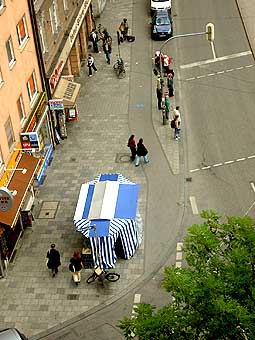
<point x="9" y="132"/>
<point x="65" y="4"/>
<point x="43" y="37"/>
<point x="2" y="4"/>
<point x="54" y="17"/>
<point x="10" y="53"/>
<point x="32" y="87"/>
<point x="22" y="31"/>
<point x="1" y="78"/>
<point x="21" y="110"/>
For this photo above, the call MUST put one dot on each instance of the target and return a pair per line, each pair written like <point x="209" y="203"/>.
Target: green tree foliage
<point x="214" y="294"/>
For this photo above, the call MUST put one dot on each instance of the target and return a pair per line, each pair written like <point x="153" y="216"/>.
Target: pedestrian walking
<point x="124" y="29"/>
<point x="53" y="257"/>
<point x="94" y="39"/>
<point x="176" y="123"/>
<point x="132" y="146"/>
<point x="91" y="64"/>
<point x="141" y="152"/>
<point x="107" y="51"/>
<point x="170" y="84"/>
<point x="159" y="97"/>
<point x="75" y="267"/>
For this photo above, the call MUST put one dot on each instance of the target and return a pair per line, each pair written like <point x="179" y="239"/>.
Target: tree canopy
<point x="213" y="293"/>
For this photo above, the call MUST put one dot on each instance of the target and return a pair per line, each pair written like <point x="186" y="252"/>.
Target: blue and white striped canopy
<point x="106" y="210"/>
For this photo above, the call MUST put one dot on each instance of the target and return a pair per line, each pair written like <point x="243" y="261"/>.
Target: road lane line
<point x="247" y="66"/>
<point x="253" y="186"/>
<point x="218" y="164"/>
<point x="220" y="72"/>
<point x="193" y="78"/>
<point x="194" y="170"/>
<point x="210" y="74"/>
<point x="179" y="256"/>
<point x="230" y="70"/>
<point x="239" y="68"/>
<point x="210" y="61"/>
<point x="250" y="157"/>
<point x="206" y="167"/>
<point x="178" y="264"/>
<point x="228" y="162"/>
<point x="213" y="50"/>
<point x="193" y="205"/>
<point x="240" y="159"/>
<point x="179" y="246"/>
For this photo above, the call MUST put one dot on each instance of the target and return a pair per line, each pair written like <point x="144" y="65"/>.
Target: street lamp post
<point x="209" y="35"/>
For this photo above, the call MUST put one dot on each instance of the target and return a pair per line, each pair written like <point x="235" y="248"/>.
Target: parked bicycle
<point x="119" y="68"/>
<point x="102" y="275"/>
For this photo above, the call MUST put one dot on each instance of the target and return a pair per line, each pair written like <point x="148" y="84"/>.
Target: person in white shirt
<point x="177" y="122"/>
<point x="91" y="64"/>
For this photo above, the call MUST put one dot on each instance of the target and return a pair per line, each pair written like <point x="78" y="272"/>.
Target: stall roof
<point x="68" y="91"/>
<point x="21" y="183"/>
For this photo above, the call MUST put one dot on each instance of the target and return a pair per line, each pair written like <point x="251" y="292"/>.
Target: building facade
<point x="64" y="27"/>
<point x="26" y="141"/>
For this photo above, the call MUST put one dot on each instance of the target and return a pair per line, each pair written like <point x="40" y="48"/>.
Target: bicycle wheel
<point x="113" y="277"/>
<point x="91" y="278"/>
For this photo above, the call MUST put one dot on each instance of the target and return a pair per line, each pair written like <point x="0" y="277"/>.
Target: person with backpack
<point x="132" y="146"/>
<point x="94" y="39"/>
<point x="141" y="152"/>
<point x="176" y="123"/>
<point x="53" y="261"/>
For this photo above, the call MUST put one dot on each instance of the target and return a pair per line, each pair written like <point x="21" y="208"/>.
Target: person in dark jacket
<point x="76" y="266"/>
<point x="53" y="256"/>
<point x="132" y="146"/>
<point x="141" y="151"/>
<point x="107" y="51"/>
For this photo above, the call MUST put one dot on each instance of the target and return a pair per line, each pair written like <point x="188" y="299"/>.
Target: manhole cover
<point x="48" y="209"/>
<point x="122" y="158"/>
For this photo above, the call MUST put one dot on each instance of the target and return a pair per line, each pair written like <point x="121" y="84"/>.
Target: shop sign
<point x="69" y="77"/>
<point x="6" y="199"/>
<point x="56" y="75"/>
<point x="78" y="21"/>
<point x="29" y="140"/>
<point x="56" y="104"/>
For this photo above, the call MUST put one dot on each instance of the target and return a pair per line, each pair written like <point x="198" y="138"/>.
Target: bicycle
<point x="102" y="275"/>
<point x="119" y="68"/>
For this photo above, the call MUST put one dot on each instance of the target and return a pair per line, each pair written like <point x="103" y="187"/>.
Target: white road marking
<point x="224" y="163"/>
<point x="137" y="298"/>
<point x="179" y="256"/>
<point x="253" y="186"/>
<point x="247" y="212"/>
<point x="179" y="246"/>
<point x="210" y="61"/>
<point x="220" y="72"/>
<point x="194" y="170"/>
<point x="193" y="205"/>
<point x="178" y="264"/>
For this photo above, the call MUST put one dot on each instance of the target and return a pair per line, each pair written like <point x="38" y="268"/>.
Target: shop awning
<point x="20" y="182"/>
<point x="68" y="91"/>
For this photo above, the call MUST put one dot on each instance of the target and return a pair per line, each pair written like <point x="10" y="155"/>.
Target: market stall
<point x="106" y="214"/>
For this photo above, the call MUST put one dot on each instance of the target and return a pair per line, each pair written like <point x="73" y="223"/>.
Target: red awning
<point x="20" y="182"/>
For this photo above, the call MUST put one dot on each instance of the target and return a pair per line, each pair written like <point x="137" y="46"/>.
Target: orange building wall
<point x="15" y="79"/>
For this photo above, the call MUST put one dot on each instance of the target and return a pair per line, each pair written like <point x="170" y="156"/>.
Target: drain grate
<point x="73" y="297"/>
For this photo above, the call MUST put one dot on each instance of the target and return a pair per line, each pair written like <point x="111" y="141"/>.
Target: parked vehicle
<point x="157" y="5"/>
<point x="161" y="26"/>
<point x="11" y="334"/>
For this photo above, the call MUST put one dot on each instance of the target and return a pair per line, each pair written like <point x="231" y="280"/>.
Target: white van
<point x="157" y="5"/>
